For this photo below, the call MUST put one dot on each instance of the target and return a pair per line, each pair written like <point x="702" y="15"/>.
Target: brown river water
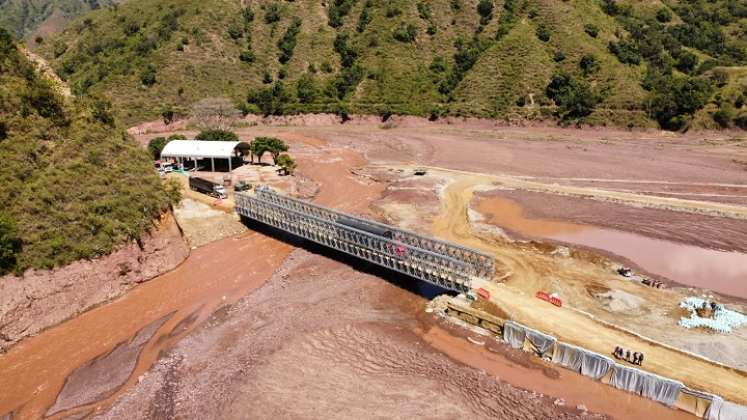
<point x="720" y="271"/>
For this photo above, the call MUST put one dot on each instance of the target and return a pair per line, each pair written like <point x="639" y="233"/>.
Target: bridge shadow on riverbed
<point x="403" y="281"/>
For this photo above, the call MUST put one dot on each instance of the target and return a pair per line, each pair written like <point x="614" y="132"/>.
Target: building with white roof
<point x="194" y="150"/>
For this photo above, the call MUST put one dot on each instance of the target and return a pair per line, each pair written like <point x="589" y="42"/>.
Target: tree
<point x="663" y="15"/>
<point x="543" y="33"/>
<point x="287" y="43"/>
<point x="261" y="145"/>
<point x="10" y="244"/>
<point x="286" y="163"/>
<point x="156" y="145"/>
<point x="168" y="114"/>
<point x="485" y="9"/>
<point x="572" y="96"/>
<point x="307" y="89"/>
<point x="214" y="113"/>
<point x="148" y="76"/>
<point x="217" y="135"/>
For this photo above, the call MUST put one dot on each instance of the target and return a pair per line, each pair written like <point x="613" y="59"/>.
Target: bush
<point x="572" y="96"/>
<point x="307" y="89"/>
<point x="591" y="30"/>
<point x="287" y="43"/>
<point x="405" y="33"/>
<point x="558" y="57"/>
<point x="741" y="120"/>
<point x="626" y="51"/>
<point x="675" y="99"/>
<point x="663" y="15"/>
<point x="485" y="10"/>
<point x="424" y="11"/>
<point x="156" y="145"/>
<point x="217" y="135"/>
<point x="10" y="244"/>
<point x="687" y="61"/>
<point x="272" y="13"/>
<point x="148" y="76"/>
<point x="543" y="33"/>
<point x="724" y="115"/>
<point x="337" y="11"/>
<point x="588" y="64"/>
<point x="247" y="56"/>
<point x="270" y="100"/>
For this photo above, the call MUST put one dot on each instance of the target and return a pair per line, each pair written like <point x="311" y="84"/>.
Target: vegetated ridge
<point x="74" y="184"/>
<point x="24" y="17"/>
<point x="672" y="63"/>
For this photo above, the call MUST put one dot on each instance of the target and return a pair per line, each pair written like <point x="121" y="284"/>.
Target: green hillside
<point x="74" y="185"/>
<point x="674" y="63"/>
<point x="23" y="17"/>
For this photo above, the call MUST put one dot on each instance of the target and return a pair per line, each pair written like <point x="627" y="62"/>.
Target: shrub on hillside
<point x="573" y="97"/>
<point x="663" y="15"/>
<point x="272" y="13"/>
<point x="591" y="30"/>
<point x="675" y="99"/>
<point x="588" y="64"/>
<point x="543" y="33"/>
<point x="405" y="33"/>
<point x="10" y="244"/>
<point x="217" y="135"/>
<point x="485" y="10"/>
<point x="626" y="51"/>
<point x="287" y="43"/>
<point x="687" y="61"/>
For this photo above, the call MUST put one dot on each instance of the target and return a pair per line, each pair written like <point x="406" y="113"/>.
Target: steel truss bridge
<point x="444" y="264"/>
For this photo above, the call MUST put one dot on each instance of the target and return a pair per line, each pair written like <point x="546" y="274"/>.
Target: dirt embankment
<point x="41" y="298"/>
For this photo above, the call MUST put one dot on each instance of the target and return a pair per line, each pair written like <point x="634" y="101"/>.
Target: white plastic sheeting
<point x="595" y="366"/>
<point x="568" y="356"/>
<point x="542" y="342"/>
<point x="514" y="334"/>
<point x="724" y="410"/>
<point x="648" y="385"/>
<point x="724" y="320"/>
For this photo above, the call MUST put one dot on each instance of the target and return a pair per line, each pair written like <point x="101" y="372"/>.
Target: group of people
<point x="635" y="358"/>
<point x="653" y="283"/>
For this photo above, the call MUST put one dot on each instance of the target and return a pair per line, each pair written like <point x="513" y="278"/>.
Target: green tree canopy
<point x="272" y="145"/>
<point x="574" y="97"/>
<point x="286" y="163"/>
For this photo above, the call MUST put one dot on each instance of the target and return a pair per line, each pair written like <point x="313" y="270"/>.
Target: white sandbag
<point x="595" y="366"/>
<point x="514" y="334"/>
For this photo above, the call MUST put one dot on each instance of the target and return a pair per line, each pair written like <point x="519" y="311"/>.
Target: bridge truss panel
<point x="483" y="264"/>
<point x="405" y="252"/>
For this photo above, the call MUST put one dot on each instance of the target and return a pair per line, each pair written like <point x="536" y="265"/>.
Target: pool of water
<point x="720" y="271"/>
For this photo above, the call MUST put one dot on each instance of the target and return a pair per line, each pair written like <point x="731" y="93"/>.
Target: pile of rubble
<point x="711" y="315"/>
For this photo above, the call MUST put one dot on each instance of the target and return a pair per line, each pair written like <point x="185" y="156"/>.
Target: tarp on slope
<point x="514" y="334"/>
<point x="645" y="384"/>
<point x="568" y="356"/>
<point x="542" y="343"/>
<point x="595" y="366"/>
<point x="724" y="410"/>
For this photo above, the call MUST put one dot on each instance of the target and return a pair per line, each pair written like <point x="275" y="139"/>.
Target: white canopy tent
<point x="201" y="149"/>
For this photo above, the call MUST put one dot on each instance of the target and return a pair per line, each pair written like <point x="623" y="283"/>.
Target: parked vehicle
<point x="207" y="187"/>
<point x="242" y="186"/>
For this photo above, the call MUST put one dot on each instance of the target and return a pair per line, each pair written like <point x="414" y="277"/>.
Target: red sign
<point x="547" y="298"/>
